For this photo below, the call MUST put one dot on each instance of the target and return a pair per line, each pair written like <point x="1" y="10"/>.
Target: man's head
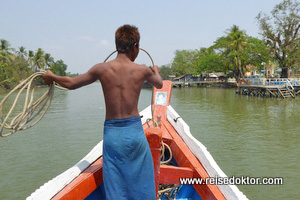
<point x="127" y="38"/>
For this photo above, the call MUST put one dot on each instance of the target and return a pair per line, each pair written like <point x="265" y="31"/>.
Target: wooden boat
<point x="183" y="157"/>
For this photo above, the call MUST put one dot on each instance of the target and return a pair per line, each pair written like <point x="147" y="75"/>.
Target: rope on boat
<point x="168" y="191"/>
<point x="162" y="156"/>
<point x="32" y="109"/>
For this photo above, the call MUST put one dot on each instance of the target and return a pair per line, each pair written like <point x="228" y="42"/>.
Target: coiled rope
<point x="32" y="109"/>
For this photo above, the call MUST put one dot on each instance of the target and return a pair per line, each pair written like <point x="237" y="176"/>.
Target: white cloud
<point x="101" y="43"/>
<point x="86" y="38"/>
<point x="104" y="43"/>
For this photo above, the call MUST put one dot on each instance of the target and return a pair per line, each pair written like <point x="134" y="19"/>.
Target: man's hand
<point x="155" y="69"/>
<point x="48" y="77"/>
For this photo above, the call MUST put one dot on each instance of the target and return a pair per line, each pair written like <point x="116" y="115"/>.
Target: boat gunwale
<point x="51" y="188"/>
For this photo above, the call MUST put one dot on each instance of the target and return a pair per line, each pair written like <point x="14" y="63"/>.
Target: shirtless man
<point x="127" y="161"/>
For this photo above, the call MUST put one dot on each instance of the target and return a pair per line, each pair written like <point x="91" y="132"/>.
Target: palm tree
<point x="5" y="46"/>
<point x="59" y="68"/>
<point x="39" y="60"/>
<point x="21" y="52"/>
<point x="237" y="42"/>
<point x="48" y="60"/>
<point x="30" y="59"/>
<point x="232" y="48"/>
<point x="5" y="50"/>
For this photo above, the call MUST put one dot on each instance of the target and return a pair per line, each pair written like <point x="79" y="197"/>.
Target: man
<point x="127" y="161"/>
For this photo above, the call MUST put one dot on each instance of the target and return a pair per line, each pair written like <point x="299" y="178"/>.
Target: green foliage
<point x="238" y="50"/>
<point x="257" y="53"/>
<point x="17" y="65"/>
<point x="233" y="47"/>
<point x="165" y="71"/>
<point x="39" y="60"/>
<point x="185" y="62"/>
<point x="281" y="32"/>
<point x="231" y="52"/>
<point x="59" y="68"/>
<point x="212" y="62"/>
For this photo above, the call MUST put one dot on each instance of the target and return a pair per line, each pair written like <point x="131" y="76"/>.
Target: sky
<point x="81" y="33"/>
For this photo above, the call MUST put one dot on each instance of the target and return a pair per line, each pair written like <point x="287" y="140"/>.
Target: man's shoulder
<point x="99" y="66"/>
<point x="142" y="67"/>
<point x="145" y="70"/>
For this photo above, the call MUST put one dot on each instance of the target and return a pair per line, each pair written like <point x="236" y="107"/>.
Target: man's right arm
<point x="153" y="77"/>
<point x="72" y="83"/>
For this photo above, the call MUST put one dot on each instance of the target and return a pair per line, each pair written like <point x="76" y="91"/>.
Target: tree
<point x="257" y="53"/>
<point x="39" y="60"/>
<point x="21" y="52"/>
<point x="48" y="60"/>
<point x="232" y="46"/>
<point x="5" y="46"/>
<point x="5" y="50"/>
<point x="281" y="32"/>
<point x="238" y="50"/>
<point x="165" y="71"/>
<point x="15" y="66"/>
<point x="31" y="59"/>
<point x="185" y="62"/>
<point x="59" y="68"/>
<point x="210" y="61"/>
<point x="237" y="43"/>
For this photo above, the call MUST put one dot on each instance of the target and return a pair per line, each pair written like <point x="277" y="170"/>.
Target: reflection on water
<point x="247" y="136"/>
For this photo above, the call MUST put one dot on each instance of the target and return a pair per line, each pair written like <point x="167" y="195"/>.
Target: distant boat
<point x="185" y="157"/>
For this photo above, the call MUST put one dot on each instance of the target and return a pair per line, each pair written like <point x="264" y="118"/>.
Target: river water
<point x="247" y="136"/>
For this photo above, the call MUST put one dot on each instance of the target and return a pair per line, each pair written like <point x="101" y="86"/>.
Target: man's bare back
<point x="121" y="81"/>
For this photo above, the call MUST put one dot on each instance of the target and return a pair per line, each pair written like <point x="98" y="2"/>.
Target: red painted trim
<point x="171" y="174"/>
<point x="154" y="138"/>
<point x="84" y="184"/>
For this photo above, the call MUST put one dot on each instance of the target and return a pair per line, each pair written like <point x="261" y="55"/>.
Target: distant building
<point x="183" y="78"/>
<point x="204" y="77"/>
<point x="251" y="71"/>
<point x="270" y="71"/>
<point x="171" y="77"/>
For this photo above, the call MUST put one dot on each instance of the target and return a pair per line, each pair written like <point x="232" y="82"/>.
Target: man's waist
<point x="124" y="121"/>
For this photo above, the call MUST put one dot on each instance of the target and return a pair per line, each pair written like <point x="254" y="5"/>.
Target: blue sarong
<point x="128" y="171"/>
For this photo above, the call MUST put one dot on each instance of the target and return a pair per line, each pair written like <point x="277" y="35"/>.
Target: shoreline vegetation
<point x="18" y="64"/>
